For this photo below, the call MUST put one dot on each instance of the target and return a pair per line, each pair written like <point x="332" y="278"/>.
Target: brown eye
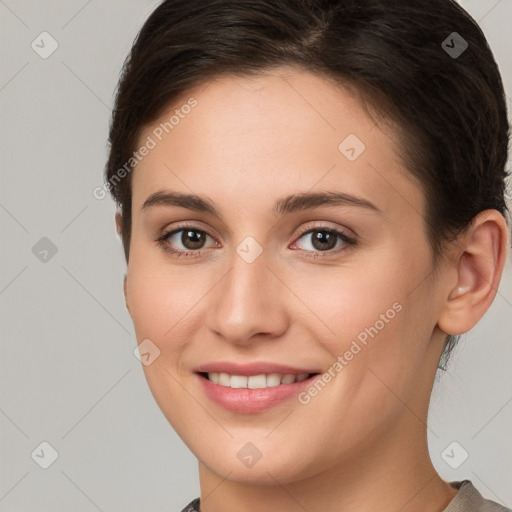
<point x="184" y="239"/>
<point x="193" y="239"/>
<point x="322" y="240"/>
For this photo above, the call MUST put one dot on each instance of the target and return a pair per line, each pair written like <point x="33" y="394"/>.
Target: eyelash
<point x="164" y="243"/>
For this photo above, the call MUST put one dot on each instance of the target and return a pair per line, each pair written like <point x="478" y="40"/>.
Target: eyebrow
<point x="283" y="206"/>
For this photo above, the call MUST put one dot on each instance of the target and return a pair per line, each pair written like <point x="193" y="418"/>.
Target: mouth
<point x="249" y="394"/>
<point x="261" y="381"/>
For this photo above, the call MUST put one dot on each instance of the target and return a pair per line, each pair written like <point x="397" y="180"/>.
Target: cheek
<point x="161" y="300"/>
<point x="352" y="303"/>
<point x="373" y="315"/>
<point x="149" y="301"/>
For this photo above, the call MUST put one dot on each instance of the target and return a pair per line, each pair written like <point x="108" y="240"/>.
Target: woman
<point x="311" y="202"/>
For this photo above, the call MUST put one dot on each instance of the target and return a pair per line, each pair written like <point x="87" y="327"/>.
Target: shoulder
<point x="193" y="506"/>
<point x="468" y="499"/>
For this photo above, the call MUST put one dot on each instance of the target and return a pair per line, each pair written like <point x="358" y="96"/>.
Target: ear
<point x="119" y="222"/>
<point x="125" y="293"/>
<point x="479" y="263"/>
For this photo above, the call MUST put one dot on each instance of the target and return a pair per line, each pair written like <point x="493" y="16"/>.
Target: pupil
<point x="192" y="239"/>
<point x="320" y="238"/>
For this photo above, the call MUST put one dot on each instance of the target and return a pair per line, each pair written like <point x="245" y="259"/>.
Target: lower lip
<point x="247" y="401"/>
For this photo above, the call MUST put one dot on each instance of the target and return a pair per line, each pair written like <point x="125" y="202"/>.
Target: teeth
<point x="255" y="381"/>
<point x="274" y="379"/>
<point x="224" y="379"/>
<point x="238" y="381"/>
<point x="288" y="379"/>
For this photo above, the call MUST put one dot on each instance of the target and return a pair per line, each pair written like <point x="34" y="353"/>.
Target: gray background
<point x="68" y="374"/>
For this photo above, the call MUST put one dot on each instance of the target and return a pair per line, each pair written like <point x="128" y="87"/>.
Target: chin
<point x="280" y="465"/>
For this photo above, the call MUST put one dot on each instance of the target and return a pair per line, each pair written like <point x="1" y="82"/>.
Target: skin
<point x="361" y="443"/>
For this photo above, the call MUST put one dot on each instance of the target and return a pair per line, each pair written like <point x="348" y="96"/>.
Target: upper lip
<point x="248" y="369"/>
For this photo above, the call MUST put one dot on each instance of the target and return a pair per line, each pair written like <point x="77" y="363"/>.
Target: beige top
<point x="468" y="499"/>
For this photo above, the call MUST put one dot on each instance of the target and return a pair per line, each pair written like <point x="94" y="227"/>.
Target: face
<point x="291" y="302"/>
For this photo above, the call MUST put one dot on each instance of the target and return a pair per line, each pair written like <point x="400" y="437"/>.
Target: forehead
<point x="250" y="138"/>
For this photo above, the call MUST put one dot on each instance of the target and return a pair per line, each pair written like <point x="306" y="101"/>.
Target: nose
<point x="249" y="302"/>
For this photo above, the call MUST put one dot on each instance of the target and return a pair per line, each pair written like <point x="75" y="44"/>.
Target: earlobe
<point x="119" y="225"/>
<point x="479" y="267"/>
<point x="125" y="292"/>
<point x="119" y="222"/>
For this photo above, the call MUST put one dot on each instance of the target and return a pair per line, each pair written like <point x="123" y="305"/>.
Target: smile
<point x="249" y="394"/>
<point x="254" y="381"/>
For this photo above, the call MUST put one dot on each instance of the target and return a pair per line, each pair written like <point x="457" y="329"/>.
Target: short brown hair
<point x="450" y="108"/>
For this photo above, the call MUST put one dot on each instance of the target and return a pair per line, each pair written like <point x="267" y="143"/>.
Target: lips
<point x="254" y="387"/>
